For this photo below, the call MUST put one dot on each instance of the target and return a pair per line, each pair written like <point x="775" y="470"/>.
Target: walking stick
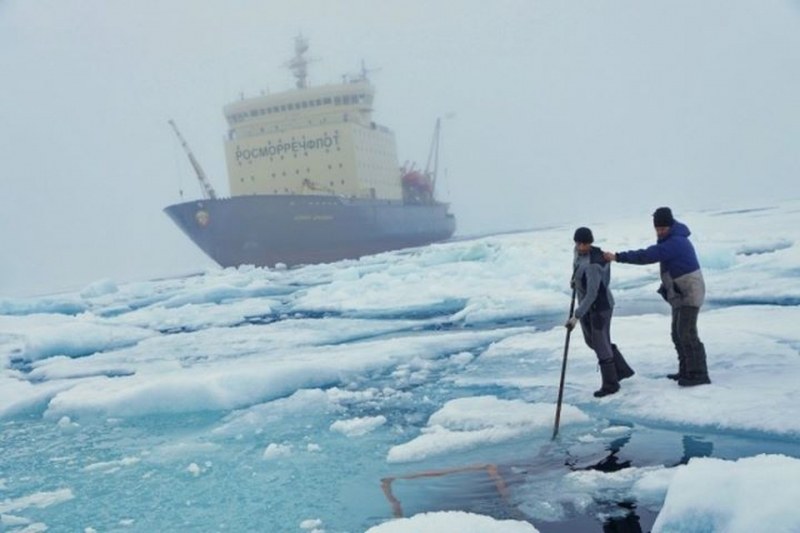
<point x="563" y="369"/>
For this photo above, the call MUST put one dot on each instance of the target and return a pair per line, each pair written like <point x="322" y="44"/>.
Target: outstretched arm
<point x="652" y="254"/>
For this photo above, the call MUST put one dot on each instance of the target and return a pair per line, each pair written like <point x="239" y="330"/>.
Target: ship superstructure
<point x="311" y="146"/>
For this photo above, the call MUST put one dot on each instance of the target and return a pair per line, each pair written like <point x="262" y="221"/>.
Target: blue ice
<point x="407" y="390"/>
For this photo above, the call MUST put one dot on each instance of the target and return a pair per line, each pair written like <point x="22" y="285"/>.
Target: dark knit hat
<point x="663" y="217"/>
<point x="584" y="236"/>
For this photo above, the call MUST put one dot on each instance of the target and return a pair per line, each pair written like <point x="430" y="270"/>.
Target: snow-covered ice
<point x="419" y="383"/>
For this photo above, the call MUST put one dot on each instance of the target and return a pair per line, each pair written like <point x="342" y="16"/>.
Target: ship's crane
<point x="433" y="156"/>
<point x="208" y="190"/>
<point x="419" y="187"/>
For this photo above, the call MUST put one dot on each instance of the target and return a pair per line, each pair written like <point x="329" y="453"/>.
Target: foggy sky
<point x="564" y="112"/>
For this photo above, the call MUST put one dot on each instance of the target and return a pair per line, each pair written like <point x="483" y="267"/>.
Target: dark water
<point x="498" y="489"/>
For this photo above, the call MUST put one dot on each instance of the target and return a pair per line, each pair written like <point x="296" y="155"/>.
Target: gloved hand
<point x="662" y="290"/>
<point x="571" y="323"/>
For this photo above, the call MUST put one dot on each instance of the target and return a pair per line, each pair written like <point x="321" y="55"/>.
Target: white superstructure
<point x="318" y="140"/>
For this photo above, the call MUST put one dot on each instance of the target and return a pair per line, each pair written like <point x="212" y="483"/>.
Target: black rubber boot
<point x="694" y="379"/>
<point x="681" y="373"/>
<point x="676" y="341"/>
<point x="624" y="371"/>
<point x="696" y="370"/>
<point x="610" y="380"/>
<point x="681" y="369"/>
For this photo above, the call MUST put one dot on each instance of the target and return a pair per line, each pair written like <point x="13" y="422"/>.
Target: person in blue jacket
<point x="682" y="286"/>
<point x="591" y="280"/>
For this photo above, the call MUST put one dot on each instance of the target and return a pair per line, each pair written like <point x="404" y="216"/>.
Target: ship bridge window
<point x="283" y="107"/>
<point x="304" y="104"/>
<point x="337" y="100"/>
<point x="319" y="101"/>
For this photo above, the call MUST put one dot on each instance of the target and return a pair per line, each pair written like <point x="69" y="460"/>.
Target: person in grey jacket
<point x="682" y="286"/>
<point x="591" y="279"/>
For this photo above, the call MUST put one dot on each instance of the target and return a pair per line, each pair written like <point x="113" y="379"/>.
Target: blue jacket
<point x="675" y="253"/>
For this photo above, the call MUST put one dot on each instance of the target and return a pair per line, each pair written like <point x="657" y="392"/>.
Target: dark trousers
<point x="691" y="352"/>
<point x="596" y="327"/>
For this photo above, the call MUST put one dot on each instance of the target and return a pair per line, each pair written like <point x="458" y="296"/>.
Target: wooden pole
<point x="563" y="369"/>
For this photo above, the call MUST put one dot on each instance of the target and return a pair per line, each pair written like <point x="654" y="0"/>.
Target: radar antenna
<point x="363" y="75"/>
<point x="208" y="190"/>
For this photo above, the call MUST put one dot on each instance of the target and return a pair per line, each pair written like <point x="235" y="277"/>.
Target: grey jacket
<point x="592" y="279"/>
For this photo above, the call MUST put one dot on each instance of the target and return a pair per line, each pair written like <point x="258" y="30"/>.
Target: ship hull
<point x="266" y="230"/>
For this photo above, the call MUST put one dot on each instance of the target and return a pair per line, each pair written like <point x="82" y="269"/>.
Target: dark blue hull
<point x="265" y="230"/>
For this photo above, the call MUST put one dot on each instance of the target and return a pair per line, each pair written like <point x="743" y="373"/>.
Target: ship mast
<point x="208" y="190"/>
<point x="298" y="64"/>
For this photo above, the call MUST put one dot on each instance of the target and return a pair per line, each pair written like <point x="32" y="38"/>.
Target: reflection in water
<point x="490" y="489"/>
<point x="611" y="462"/>
<point x="626" y="524"/>
<point x="695" y="446"/>
<point x="629" y="522"/>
